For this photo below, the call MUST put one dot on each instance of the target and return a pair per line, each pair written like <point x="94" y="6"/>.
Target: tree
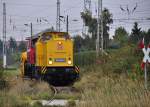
<point x="121" y="35"/>
<point x="12" y="44"/>
<point x="136" y="34"/>
<point x="89" y="43"/>
<point x="83" y="44"/>
<point x="78" y="43"/>
<point x="146" y="36"/>
<point x="22" y="46"/>
<point x="107" y="20"/>
<point x="91" y="22"/>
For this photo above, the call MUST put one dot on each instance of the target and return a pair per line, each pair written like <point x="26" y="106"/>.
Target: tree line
<point x="13" y="46"/>
<point x="121" y="36"/>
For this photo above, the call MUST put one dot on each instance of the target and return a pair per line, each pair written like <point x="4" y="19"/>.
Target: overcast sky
<point x="20" y="12"/>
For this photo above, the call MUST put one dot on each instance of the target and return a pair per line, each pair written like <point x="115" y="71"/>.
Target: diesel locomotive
<point x="50" y="57"/>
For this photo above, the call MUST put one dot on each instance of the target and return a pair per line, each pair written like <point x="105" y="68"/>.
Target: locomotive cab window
<point x="59" y="36"/>
<point x="65" y="36"/>
<point x="46" y="38"/>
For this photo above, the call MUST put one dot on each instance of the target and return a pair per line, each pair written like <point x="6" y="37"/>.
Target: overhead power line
<point x="28" y="4"/>
<point x="146" y="19"/>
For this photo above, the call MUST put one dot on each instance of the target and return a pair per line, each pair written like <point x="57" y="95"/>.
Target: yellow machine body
<point x="23" y="60"/>
<point x="50" y="57"/>
<point x="55" y="51"/>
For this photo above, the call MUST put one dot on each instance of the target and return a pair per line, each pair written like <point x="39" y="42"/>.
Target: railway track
<point x="54" y="94"/>
<point x="57" y="90"/>
<point x="66" y="89"/>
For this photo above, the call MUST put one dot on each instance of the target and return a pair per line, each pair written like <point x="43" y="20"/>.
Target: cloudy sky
<point x="20" y="12"/>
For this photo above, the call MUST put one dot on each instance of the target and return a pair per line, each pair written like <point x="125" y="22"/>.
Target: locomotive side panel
<point x="39" y="54"/>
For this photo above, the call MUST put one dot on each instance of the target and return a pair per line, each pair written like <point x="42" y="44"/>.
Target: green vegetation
<point x="111" y="80"/>
<point x="83" y="44"/>
<point x="136" y="33"/>
<point x="22" y="46"/>
<point x="19" y="93"/>
<point x="121" y="36"/>
<point x="85" y="58"/>
<point x="87" y="42"/>
<point x="12" y="45"/>
<point x="71" y="103"/>
<point x="114" y="92"/>
<point x="3" y="83"/>
<point x="1" y="45"/>
<point x="1" y="68"/>
<point x="70" y="96"/>
<point x="117" y="81"/>
<point x="91" y="22"/>
<point x="14" y="49"/>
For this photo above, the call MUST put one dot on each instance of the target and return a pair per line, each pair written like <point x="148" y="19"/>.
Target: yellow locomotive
<point x="49" y="56"/>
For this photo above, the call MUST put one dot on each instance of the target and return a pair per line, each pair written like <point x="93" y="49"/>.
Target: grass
<point x="115" y="82"/>
<point x="120" y="92"/>
<point x="68" y="96"/>
<point x="23" y="93"/>
<point x="7" y="100"/>
<point x="11" y="72"/>
<point x="100" y="90"/>
<point x="33" y="90"/>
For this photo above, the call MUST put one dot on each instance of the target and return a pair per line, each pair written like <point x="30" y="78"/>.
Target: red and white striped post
<point x="146" y="59"/>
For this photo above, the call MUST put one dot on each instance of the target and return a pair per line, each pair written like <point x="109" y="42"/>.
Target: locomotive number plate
<point x="60" y="60"/>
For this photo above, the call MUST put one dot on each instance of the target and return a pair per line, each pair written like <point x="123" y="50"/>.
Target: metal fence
<point x="3" y="84"/>
<point x="85" y="58"/>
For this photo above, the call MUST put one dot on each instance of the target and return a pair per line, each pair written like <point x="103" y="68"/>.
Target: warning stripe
<point x="77" y="69"/>
<point x="43" y="70"/>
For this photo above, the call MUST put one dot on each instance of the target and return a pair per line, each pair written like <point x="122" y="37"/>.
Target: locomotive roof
<point x="36" y="36"/>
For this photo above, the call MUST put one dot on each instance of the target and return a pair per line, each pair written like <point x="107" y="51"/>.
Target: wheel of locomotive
<point x="60" y="77"/>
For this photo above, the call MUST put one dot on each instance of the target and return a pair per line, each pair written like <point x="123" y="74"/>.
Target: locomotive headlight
<point x="69" y="62"/>
<point x="50" y="61"/>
